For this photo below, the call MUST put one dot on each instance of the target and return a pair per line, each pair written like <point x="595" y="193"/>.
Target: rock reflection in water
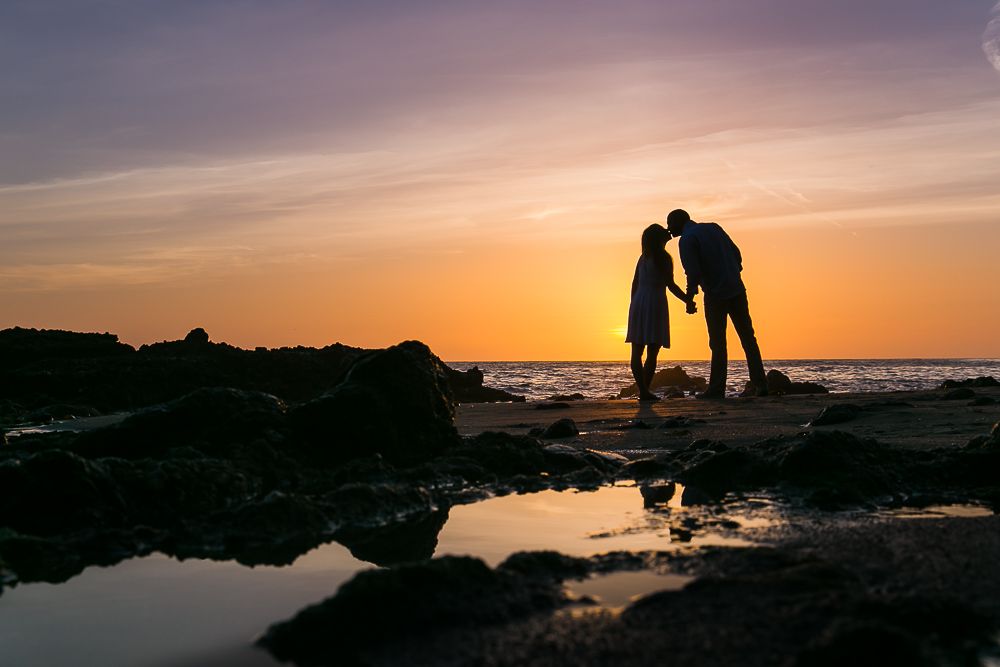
<point x="582" y="523"/>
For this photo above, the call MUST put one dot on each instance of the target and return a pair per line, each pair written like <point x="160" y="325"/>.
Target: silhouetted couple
<point x="712" y="263"/>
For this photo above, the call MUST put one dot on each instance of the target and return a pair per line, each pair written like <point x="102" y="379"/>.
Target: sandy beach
<point x="911" y="420"/>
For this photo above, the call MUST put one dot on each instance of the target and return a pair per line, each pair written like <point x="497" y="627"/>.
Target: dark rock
<point x="504" y="454"/>
<point x="378" y="607"/>
<point x="961" y="394"/>
<point x="718" y="472"/>
<point x="197" y="336"/>
<point x="275" y="530"/>
<point x="982" y="401"/>
<point x="211" y="420"/>
<point x="395" y="402"/>
<point x="647" y="468"/>
<point x="552" y="406"/>
<point x="980" y="382"/>
<point x="680" y="421"/>
<point x="59" y="412"/>
<point x="547" y="565"/>
<point x="836" y="414"/>
<point x="563" y="428"/>
<point x="567" y="397"/>
<point x="704" y="444"/>
<point x="53" y="492"/>
<point x="23" y="347"/>
<point x="674" y="393"/>
<point x="657" y="494"/>
<point x="780" y="384"/>
<point x="676" y="378"/>
<point x="467" y="387"/>
<point x="413" y="539"/>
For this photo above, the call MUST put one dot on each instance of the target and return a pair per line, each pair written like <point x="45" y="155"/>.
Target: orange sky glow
<point x="490" y="201"/>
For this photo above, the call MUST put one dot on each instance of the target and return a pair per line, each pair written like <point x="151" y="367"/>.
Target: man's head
<point x="676" y="221"/>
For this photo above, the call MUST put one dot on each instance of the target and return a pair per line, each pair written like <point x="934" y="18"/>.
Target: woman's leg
<point x="637" y="370"/>
<point x="649" y="368"/>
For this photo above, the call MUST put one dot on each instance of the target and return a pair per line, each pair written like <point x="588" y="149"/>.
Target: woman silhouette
<point x="648" y="319"/>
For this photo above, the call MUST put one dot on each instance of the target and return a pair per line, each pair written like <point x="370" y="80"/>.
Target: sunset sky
<point x="476" y="175"/>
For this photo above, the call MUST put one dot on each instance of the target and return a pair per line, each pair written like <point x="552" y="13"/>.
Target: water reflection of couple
<point x="713" y="263"/>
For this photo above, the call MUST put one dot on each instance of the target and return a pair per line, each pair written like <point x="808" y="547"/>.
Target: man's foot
<point x="754" y="390"/>
<point x="711" y="394"/>
<point x="648" y="397"/>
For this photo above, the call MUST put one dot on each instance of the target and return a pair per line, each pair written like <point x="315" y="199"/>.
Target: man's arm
<point x="736" y="248"/>
<point x="692" y="264"/>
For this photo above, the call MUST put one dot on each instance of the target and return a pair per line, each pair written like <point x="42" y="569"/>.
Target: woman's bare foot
<point x="648" y="397"/>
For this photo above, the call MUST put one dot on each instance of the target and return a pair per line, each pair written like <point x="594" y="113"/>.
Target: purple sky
<point x="152" y="142"/>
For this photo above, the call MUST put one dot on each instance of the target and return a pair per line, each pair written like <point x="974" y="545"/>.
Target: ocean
<point x="538" y="380"/>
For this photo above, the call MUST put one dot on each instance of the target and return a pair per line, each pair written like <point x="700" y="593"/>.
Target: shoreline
<point x="912" y="420"/>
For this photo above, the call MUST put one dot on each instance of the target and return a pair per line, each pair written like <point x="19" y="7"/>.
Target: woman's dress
<point x="648" y="319"/>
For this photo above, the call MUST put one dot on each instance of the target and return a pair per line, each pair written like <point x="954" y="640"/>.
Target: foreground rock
<point x="240" y="474"/>
<point x="379" y="607"/>
<point x="832" y="469"/>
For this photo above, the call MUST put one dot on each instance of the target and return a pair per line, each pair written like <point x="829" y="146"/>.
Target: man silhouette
<point x="713" y="262"/>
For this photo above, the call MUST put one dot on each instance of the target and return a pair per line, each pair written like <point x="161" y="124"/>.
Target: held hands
<point x="691" y="307"/>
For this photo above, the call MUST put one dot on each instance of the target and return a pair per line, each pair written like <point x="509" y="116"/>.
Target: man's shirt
<point x="711" y="260"/>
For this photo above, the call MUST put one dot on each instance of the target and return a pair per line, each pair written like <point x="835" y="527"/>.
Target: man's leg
<point x="716" y="311"/>
<point x="740" y="312"/>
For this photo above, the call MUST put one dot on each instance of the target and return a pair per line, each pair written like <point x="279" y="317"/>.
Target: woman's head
<point x="654" y="239"/>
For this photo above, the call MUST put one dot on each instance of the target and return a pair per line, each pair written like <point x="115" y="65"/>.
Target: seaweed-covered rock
<point x="379" y="607"/>
<point x="674" y="378"/>
<point x="395" y="402"/>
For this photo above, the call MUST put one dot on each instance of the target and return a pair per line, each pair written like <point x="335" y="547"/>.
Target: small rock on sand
<point x="836" y="414"/>
<point x="564" y="428"/>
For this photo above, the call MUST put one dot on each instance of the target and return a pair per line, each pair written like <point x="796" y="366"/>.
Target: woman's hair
<point x="654" y="238"/>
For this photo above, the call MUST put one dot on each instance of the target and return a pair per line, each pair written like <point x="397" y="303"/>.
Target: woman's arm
<point x="676" y="290"/>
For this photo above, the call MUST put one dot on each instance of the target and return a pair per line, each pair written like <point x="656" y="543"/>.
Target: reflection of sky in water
<point x="574" y="523"/>
<point x="161" y="612"/>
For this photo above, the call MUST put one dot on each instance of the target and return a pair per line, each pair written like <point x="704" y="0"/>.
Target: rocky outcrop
<point x="779" y="384"/>
<point x="380" y="607"/>
<point x="41" y="372"/>
<point x="467" y="387"/>
<point x="396" y="403"/>
<point x="979" y="382"/>
<point x="222" y="472"/>
<point x="669" y="379"/>
<point x="829" y="469"/>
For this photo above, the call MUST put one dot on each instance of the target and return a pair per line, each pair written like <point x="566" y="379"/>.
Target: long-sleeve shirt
<point x="711" y="260"/>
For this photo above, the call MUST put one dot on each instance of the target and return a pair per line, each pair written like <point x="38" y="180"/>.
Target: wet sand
<point x="911" y="420"/>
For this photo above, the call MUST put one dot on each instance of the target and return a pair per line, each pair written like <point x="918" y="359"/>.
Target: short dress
<point x="648" y="319"/>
